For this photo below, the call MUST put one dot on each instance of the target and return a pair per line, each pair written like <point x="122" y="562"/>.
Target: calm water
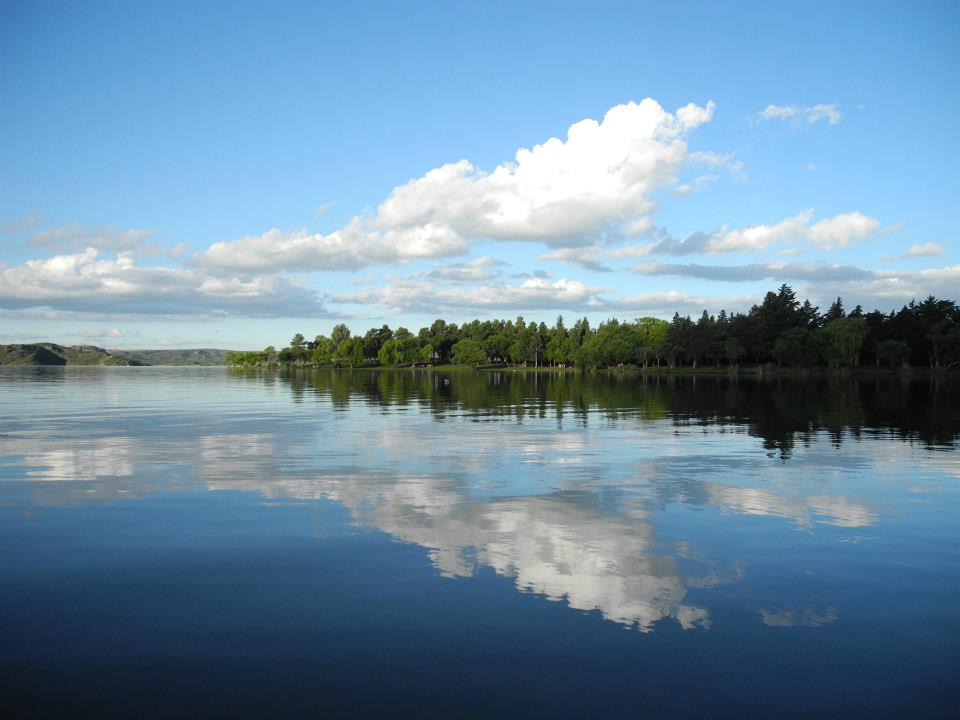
<point x="199" y="542"/>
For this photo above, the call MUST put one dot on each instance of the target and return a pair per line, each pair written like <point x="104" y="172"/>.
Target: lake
<point x="207" y="542"/>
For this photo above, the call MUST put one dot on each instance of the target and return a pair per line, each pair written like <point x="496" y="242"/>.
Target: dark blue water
<point x="199" y="542"/>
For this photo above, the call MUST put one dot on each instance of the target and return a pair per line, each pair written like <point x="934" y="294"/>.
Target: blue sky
<point x="227" y="174"/>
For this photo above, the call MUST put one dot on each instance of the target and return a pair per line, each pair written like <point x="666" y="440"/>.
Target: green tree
<point x="843" y="339"/>
<point x="468" y="352"/>
<point x="339" y="334"/>
<point x="797" y="347"/>
<point x="391" y="352"/>
<point x="426" y="353"/>
<point x="322" y="353"/>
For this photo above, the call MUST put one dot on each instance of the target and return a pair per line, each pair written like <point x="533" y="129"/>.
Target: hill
<point x="202" y="356"/>
<point x="53" y="354"/>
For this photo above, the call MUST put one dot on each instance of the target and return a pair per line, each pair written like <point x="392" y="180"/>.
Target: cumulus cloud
<point x="797" y="115"/>
<point x="535" y="293"/>
<point x="826" y="234"/>
<point x="923" y="250"/>
<point x="838" y="232"/>
<point x="582" y="257"/>
<point x="565" y="193"/>
<point x="85" y="282"/>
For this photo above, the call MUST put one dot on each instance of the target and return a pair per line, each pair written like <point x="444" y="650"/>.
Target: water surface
<point x="198" y="541"/>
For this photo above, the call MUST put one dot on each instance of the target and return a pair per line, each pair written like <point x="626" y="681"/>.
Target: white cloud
<point x="924" y="250"/>
<point x="810" y="115"/>
<point x="779" y="112"/>
<point x="838" y="232"/>
<point x="759" y="237"/>
<point x="690" y="116"/>
<point x="582" y="257"/>
<point x="599" y="180"/>
<point x="82" y="281"/>
<point x="110" y="238"/>
<point x="666" y="303"/>
<point x="113" y="333"/>
<point x="822" y="113"/>
<point x="721" y="162"/>
<point x="350" y="248"/>
<point x="480" y="269"/>
<point x="827" y="234"/>
<point x="535" y="293"/>
<point x="694" y="185"/>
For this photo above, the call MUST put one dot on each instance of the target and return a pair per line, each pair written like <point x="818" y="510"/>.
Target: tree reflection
<point x="782" y="411"/>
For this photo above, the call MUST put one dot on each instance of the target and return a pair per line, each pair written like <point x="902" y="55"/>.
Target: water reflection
<point x="784" y="411"/>
<point x="589" y="490"/>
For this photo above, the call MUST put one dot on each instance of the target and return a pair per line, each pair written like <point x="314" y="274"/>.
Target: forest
<point x="779" y="330"/>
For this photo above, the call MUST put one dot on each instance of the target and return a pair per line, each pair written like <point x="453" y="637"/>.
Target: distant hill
<point x="204" y="356"/>
<point x="53" y="354"/>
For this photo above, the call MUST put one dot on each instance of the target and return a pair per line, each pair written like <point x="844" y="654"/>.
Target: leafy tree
<point x="322" y="353"/>
<point x="339" y="334"/>
<point x="391" y="352"/>
<point x="468" y="352"/>
<point x="797" y="347"/>
<point x="426" y="353"/>
<point x="349" y="352"/>
<point x="843" y="338"/>
<point x="374" y="340"/>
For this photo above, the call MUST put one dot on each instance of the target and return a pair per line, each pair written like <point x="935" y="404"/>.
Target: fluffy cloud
<point x="535" y="293"/>
<point x="924" y="250"/>
<point x="810" y="115"/>
<point x="826" y="234"/>
<point x="84" y="282"/>
<point x="838" y="232"/>
<point x="599" y="180"/>
<point x="352" y="247"/>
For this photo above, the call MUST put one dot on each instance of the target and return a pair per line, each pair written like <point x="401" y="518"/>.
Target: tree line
<point x="780" y="329"/>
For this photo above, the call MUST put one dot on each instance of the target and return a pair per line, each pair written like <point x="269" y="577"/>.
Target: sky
<point x="228" y="174"/>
